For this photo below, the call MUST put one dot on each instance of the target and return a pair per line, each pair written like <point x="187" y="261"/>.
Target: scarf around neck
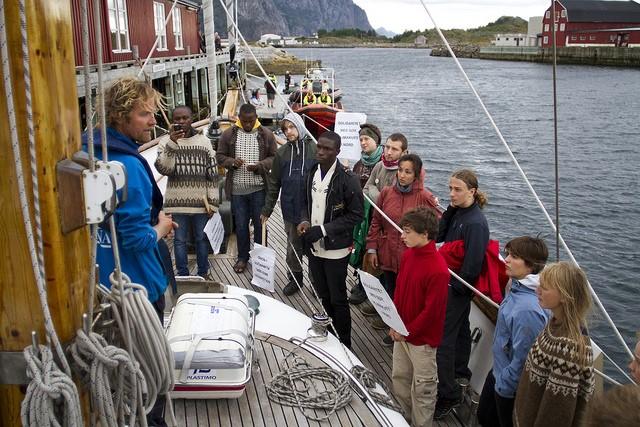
<point x="373" y="158"/>
<point x="390" y="165"/>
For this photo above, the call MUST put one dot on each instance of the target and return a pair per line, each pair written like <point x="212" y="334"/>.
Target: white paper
<point x="381" y="301"/>
<point x="348" y="127"/>
<point x="215" y="232"/>
<point x="263" y="266"/>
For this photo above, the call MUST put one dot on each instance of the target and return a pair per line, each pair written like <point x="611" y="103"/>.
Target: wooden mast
<point x="57" y="131"/>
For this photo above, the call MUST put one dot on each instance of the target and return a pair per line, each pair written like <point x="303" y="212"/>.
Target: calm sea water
<point x="405" y="90"/>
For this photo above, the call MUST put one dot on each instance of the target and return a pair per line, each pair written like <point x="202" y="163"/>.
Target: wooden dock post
<point x="57" y="131"/>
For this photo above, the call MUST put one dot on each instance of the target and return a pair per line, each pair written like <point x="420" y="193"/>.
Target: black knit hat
<point x="371" y="131"/>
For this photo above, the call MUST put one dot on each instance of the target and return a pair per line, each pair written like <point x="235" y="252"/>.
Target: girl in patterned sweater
<point x="557" y="380"/>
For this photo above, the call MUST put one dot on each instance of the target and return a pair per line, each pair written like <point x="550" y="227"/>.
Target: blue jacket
<point x="520" y="321"/>
<point x="137" y="240"/>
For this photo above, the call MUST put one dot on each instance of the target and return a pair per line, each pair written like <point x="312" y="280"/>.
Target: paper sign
<point x="348" y="127"/>
<point x="263" y="266"/>
<point x="215" y="232"/>
<point x="382" y="302"/>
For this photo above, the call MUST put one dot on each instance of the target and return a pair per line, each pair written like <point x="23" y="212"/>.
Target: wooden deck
<point x="254" y="408"/>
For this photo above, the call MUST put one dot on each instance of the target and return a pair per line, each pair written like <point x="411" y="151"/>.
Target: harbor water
<point x="426" y="98"/>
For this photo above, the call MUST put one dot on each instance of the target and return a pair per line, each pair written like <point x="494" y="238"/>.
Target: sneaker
<point x="207" y="276"/>
<point x="444" y="407"/>
<point x="358" y="296"/>
<point x="378" y="323"/>
<point x="387" y="341"/>
<point x="290" y="289"/>
<point x="368" y="309"/>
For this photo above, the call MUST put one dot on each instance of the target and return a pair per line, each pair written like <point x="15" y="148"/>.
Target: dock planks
<point x="254" y="408"/>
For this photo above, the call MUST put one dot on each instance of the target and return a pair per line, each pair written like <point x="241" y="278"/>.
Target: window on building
<point x="583" y="38"/>
<point x="118" y="25"/>
<point x="547" y="14"/>
<point x="555" y="27"/>
<point x="177" y="27"/>
<point x="563" y="13"/>
<point x="574" y="37"/>
<point x="161" y="31"/>
<point x="545" y="40"/>
<point x="592" y="38"/>
<point x="562" y="27"/>
<point x="612" y="38"/>
<point x="546" y="27"/>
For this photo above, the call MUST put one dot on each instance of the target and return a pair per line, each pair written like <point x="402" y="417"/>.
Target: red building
<point x="130" y="28"/>
<point x="593" y="23"/>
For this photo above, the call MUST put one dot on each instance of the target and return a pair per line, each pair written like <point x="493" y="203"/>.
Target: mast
<point x="212" y="66"/>
<point x="57" y="132"/>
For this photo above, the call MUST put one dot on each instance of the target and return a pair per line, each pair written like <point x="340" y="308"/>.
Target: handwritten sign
<point x="263" y="265"/>
<point x="214" y="229"/>
<point x="348" y="127"/>
<point x="382" y="302"/>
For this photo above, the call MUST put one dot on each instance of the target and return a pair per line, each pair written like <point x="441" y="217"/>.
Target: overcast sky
<point x="401" y="15"/>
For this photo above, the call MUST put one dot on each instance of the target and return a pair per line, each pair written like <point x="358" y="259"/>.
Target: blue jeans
<point x="185" y="222"/>
<point x="246" y="207"/>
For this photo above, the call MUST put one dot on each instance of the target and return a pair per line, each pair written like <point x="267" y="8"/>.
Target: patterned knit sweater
<point x="555" y="386"/>
<point x="190" y="166"/>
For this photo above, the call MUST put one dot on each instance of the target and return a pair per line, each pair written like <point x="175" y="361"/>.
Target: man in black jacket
<point x="332" y="206"/>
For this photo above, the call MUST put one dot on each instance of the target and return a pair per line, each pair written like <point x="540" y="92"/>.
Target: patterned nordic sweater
<point x="190" y="166"/>
<point x="555" y="386"/>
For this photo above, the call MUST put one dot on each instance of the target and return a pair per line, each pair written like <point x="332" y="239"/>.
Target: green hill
<point x="478" y="36"/>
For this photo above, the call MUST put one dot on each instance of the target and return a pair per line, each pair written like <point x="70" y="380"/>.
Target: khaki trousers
<point x="415" y="381"/>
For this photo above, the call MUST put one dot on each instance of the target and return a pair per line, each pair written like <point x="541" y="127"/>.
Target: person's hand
<point x="263" y="218"/>
<point x="313" y="234"/>
<point x="303" y="227"/>
<point x="396" y="336"/>
<point x="176" y="133"/>
<point x="237" y="163"/>
<point x="165" y="225"/>
<point x="252" y="168"/>
<point x="372" y="259"/>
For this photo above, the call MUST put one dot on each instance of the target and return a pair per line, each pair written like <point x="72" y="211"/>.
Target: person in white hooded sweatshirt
<point x="291" y="162"/>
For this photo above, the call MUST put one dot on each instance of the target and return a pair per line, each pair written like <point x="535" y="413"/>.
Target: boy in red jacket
<point x="421" y="300"/>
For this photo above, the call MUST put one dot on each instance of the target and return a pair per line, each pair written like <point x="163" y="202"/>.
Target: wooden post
<point x="57" y="130"/>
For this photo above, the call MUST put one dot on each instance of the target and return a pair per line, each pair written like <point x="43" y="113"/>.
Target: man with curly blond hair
<point x="130" y="107"/>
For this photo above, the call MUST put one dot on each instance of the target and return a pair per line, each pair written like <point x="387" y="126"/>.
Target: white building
<point x="534" y="29"/>
<point x="271" y="40"/>
<point x="513" y="40"/>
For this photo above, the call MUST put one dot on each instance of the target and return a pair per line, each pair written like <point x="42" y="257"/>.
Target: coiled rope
<point x="148" y="342"/>
<point x="297" y="386"/>
<point x="51" y="398"/>
<point x="114" y="379"/>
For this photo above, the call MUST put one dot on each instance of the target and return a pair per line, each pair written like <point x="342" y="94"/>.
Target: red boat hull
<point x="318" y="118"/>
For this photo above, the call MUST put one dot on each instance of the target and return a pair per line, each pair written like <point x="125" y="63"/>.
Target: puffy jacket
<point x="520" y="321"/>
<point x="290" y="164"/>
<point x="383" y="237"/>
<point x="344" y="206"/>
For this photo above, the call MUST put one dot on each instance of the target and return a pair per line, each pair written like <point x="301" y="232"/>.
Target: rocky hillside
<point x="289" y="18"/>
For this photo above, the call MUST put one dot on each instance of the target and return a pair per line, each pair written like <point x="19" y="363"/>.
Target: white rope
<point x="36" y="252"/>
<point x="316" y="122"/>
<point x="526" y="180"/>
<point x="51" y="398"/>
<point x="155" y="43"/>
<point x="149" y="343"/>
<point x="114" y="379"/>
<point x="606" y="377"/>
<point x="453" y="273"/>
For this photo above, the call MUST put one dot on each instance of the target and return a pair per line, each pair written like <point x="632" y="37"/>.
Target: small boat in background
<point x="318" y="116"/>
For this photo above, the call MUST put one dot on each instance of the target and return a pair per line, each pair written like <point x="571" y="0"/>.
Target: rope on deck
<point x="297" y="386"/>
